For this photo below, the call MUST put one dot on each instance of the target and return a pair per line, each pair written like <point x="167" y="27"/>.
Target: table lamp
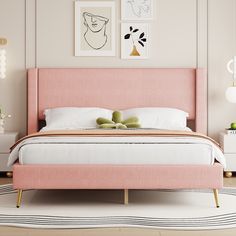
<point x="230" y="93"/>
<point x="3" y="42"/>
<point x="2" y="63"/>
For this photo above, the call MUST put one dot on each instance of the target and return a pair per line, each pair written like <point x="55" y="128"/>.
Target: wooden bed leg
<point x="19" y="197"/>
<point x="126" y="196"/>
<point x="215" y="191"/>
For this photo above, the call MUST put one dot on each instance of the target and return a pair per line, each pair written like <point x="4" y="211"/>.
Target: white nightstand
<point x="7" y="139"/>
<point x="228" y="144"/>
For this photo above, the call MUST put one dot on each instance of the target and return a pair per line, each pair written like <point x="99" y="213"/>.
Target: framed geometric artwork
<point x="136" y="9"/>
<point x="94" y="28"/>
<point x="134" y="41"/>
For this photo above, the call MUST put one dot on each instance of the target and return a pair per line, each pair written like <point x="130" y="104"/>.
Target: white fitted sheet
<point x="116" y="154"/>
<point x="117" y="150"/>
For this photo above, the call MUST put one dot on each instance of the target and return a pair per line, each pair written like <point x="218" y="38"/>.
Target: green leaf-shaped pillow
<point x="117" y="122"/>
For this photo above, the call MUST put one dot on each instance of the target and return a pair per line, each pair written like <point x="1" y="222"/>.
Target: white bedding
<point x="117" y="150"/>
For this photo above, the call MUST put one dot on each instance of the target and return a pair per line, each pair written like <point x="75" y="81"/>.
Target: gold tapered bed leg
<point x="19" y="197"/>
<point x="126" y="196"/>
<point x="216" y="197"/>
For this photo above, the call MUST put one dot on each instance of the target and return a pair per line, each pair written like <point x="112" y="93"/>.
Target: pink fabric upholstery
<point x="32" y="100"/>
<point x="201" y="101"/>
<point x="117" y="176"/>
<point x="117" y="89"/>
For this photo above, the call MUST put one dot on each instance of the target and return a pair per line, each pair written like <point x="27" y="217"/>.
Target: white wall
<point x="221" y="48"/>
<point x="184" y="33"/>
<point x="173" y="33"/>
<point x="13" y="88"/>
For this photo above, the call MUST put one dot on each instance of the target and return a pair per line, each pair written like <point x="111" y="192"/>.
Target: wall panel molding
<point x="202" y="22"/>
<point x="31" y="32"/>
<point x="185" y="33"/>
<point x="221" y="48"/>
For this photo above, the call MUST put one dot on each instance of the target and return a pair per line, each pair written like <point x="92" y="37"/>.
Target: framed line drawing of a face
<point x="94" y="28"/>
<point x="136" y="9"/>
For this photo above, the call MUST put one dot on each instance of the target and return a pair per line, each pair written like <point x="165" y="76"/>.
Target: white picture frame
<point x="137" y="10"/>
<point x="135" y="41"/>
<point x="94" y="28"/>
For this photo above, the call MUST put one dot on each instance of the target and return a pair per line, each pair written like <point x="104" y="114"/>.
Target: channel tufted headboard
<point x="185" y="89"/>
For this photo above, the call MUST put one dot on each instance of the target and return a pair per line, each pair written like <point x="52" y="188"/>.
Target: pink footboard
<point x="117" y="176"/>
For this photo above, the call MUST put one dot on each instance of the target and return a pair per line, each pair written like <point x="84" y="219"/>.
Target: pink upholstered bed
<point x="185" y="89"/>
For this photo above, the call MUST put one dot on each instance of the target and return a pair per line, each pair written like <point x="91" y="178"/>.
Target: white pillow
<point x="159" y="117"/>
<point x="65" y="118"/>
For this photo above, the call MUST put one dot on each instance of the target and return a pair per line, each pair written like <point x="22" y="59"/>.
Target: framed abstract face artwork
<point x="94" y="28"/>
<point x="136" y="9"/>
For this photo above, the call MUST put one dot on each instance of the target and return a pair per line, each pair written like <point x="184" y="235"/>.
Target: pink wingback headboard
<point x="185" y="89"/>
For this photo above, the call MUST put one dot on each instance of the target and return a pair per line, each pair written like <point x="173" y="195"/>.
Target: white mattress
<point x="117" y="150"/>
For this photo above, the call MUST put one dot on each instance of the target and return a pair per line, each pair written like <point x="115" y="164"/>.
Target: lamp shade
<point x="2" y="63"/>
<point x="230" y="94"/>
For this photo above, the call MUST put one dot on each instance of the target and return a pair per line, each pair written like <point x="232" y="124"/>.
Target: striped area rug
<point x="162" y="209"/>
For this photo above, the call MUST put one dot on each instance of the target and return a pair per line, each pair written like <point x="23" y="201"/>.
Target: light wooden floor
<point x="14" y="231"/>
